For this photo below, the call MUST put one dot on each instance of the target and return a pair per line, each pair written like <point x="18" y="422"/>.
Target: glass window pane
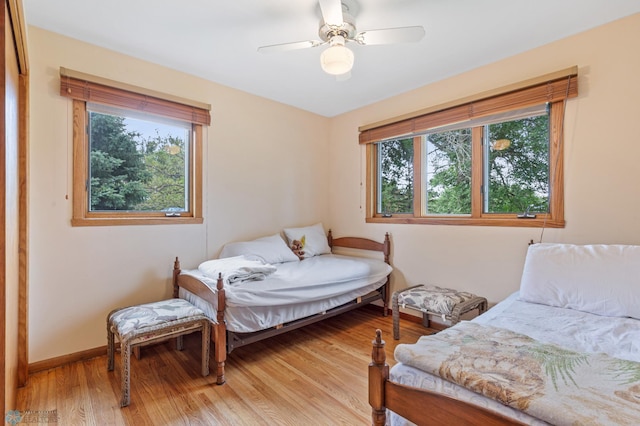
<point x="395" y="176"/>
<point x="448" y="172"/>
<point x="137" y="162"/>
<point x="518" y="166"/>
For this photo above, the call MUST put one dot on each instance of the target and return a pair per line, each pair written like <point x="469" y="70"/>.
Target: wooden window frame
<point x="553" y="89"/>
<point x="94" y="89"/>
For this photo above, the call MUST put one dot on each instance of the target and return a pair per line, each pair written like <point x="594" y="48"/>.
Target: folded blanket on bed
<point x="236" y="269"/>
<point x="553" y="384"/>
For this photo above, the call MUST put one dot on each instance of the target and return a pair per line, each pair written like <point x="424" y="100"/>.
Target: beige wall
<point x="265" y="168"/>
<point x="602" y="173"/>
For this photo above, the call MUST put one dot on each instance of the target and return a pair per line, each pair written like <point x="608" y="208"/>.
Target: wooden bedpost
<point x="330" y="239"/>
<point x="176" y="272"/>
<point x="387" y="287"/>
<point x="378" y="375"/>
<point x="219" y="334"/>
<point x="387" y="247"/>
<point x="217" y="298"/>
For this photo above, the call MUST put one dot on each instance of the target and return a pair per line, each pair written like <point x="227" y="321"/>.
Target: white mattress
<point x="579" y="331"/>
<point x="296" y="290"/>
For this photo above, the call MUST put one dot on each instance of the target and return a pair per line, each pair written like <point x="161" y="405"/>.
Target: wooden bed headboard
<point x="362" y="244"/>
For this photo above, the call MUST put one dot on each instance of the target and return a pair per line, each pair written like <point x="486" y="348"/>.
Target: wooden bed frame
<point x="419" y="406"/>
<point x="225" y="341"/>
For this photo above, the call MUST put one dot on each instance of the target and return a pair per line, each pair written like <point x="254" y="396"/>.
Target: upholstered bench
<point x="141" y="325"/>
<point x="432" y="300"/>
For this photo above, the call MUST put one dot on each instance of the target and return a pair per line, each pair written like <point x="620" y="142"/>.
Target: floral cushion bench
<point x="141" y="325"/>
<point x="432" y="300"/>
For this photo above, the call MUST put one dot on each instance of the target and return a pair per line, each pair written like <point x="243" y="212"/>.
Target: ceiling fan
<point x="337" y="28"/>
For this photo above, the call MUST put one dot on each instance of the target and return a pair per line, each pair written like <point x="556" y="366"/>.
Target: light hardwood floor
<point x="316" y="375"/>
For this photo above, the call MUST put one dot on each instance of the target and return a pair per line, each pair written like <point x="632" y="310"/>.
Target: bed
<point x="564" y="349"/>
<point x="261" y="288"/>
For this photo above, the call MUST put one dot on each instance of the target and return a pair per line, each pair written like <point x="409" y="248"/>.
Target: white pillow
<point x="601" y="279"/>
<point x="313" y="239"/>
<point x="271" y="249"/>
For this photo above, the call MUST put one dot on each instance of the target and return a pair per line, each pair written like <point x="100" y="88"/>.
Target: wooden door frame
<point x="19" y="33"/>
<point x="12" y="14"/>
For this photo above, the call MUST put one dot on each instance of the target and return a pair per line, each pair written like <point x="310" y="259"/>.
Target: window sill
<point x="503" y="221"/>
<point x="115" y="221"/>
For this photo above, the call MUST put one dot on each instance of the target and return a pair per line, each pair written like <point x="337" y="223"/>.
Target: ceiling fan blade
<point x="289" y="46"/>
<point x="331" y="12"/>
<point x="391" y="35"/>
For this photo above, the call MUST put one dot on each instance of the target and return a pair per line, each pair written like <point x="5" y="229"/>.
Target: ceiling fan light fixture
<point x="337" y="59"/>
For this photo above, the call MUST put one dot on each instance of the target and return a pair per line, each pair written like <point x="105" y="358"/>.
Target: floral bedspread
<point x="553" y="384"/>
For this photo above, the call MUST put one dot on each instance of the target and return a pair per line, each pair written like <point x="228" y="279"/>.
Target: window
<point x="137" y="156"/>
<point x="493" y="160"/>
<point x="395" y="176"/>
<point x="447" y="165"/>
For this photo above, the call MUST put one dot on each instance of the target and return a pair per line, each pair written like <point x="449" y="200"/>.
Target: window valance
<point x="549" y="88"/>
<point x="77" y="85"/>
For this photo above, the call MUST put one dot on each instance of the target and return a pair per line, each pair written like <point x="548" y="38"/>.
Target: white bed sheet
<point x="296" y="290"/>
<point x="571" y="329"/>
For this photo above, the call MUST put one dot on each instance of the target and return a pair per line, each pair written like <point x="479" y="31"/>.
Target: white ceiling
<point x="218" y="40"/>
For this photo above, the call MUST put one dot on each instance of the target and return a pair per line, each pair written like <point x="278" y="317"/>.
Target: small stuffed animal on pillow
<point x="296" y="247"/>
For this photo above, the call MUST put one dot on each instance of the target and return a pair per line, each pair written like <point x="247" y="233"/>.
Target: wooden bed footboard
<point x="225" y="341"/>
<point x="419" y="406"/>
<point x="219" y="328"/>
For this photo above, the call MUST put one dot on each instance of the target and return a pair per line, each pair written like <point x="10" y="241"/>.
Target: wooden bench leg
<point x="110" y="347"/>
<point x="395" y="313"/>
<point x="125" y="350"/>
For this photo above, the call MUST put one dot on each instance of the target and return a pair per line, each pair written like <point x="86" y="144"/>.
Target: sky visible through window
<point x="151" y="129"/>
